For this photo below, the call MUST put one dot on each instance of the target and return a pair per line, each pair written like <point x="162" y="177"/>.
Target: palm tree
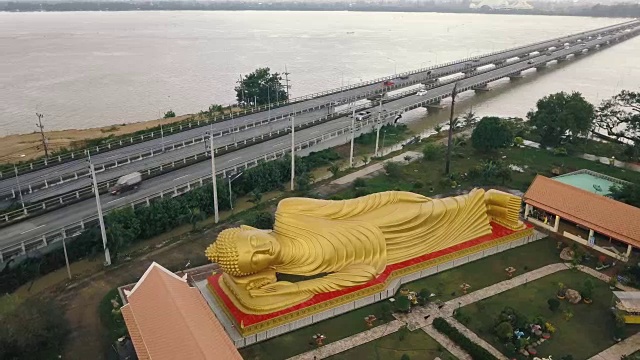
<point x="470" y="118"/>
<point x="334" y="169"/>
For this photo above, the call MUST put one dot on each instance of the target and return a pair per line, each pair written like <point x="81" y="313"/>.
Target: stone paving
<point x="422" y="318"/>
<point x="626" y="347"/>
<point x="350" y="342"/>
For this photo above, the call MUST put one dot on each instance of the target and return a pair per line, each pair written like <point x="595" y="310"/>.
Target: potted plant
<point x="562" y="291"/>
<point x="612" y="282"/>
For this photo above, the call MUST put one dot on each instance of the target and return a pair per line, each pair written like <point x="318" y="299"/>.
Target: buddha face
<point x="257" y="249"/>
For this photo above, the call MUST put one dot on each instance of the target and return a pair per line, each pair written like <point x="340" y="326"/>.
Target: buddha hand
<point x="277" y="288"/>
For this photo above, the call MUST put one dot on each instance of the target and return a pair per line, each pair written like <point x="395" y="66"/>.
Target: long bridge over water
<point x="58" y="195"/>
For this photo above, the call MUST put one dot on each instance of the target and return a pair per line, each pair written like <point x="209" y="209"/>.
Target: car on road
<point x="404" y="77"/>
<point x="422" y="92"/>
<point x="363" y="115"/>
<point x="127" y="182"/>
<point x="388" y="83"/>
<point x="530" y="62"/>
<point x="548" y="53"/>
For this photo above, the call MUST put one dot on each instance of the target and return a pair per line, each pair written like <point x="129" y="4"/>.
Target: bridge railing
<point x="76" y="228"/>
<point x="75" y="196"/>
<point x="44" y="162"/>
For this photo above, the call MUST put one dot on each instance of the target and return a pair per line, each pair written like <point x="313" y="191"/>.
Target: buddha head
<point x="244" y="251"/>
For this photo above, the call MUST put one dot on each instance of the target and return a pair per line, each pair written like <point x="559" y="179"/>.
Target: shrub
<point x="554" y="304"/>
<point x="423" y="296"/>
<point x="405" y="357"/>
<point x="393" y="169"/>
<point x="169" y="114"/>
<point x="560" y="151"/>
<point x="403" y="304"/>
<point x="476" y="351"/>
<point x="359" y="183"/>
<point x="432" y="151"/>
<point x="504" y="330"/>
<point x="587" y="289"/>
<point x="261" y="220"/>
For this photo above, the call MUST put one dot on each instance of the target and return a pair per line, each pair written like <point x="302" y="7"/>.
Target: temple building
<point x="168" y="319"/>
<point x="576" y="206"/>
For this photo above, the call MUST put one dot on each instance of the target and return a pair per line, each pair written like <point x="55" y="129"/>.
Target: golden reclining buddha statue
<point x="334" y="245"/>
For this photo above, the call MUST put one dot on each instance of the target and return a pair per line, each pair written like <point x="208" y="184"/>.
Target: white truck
<point x="127" y="182"/>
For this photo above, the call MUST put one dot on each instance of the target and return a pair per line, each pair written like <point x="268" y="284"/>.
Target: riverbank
<point x="24" y="147"/>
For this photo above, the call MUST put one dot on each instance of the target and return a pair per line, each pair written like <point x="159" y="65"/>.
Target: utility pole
<point x="378" y="127"/>
<point x="216" y="216"/>
<point x="286" y="81"/>
<point x="15" y="170"/>
<point x="230" y="192"/>
<point x="107" y="256"/>
<point x="162" y="136"/>
<point x="454" y="92"/>
<point x="44" y="140"/>
<point x="353" y="134"/>
<point x="293" y="149"/>
<point x="241" y="82"/>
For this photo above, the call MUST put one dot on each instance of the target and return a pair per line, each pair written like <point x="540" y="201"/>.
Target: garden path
<point x="626" y="347"/>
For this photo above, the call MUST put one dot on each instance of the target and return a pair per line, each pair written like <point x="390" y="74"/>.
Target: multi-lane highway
<point x="266" y="121"/>
<point x="20" y="236"/>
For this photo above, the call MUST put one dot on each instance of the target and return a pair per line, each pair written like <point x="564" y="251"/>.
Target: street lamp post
<point x="293" y="149"/>
<point x="395" y="66"/>
<point x="232" y="178"/>
<point x="378" y="127"/>
<point x="15" y="170"/>
<point x="162" y="137"/>
<point x="216" y="215"/>
<point x="103" y="232"/>
<point x="353" y="134"/>
<point x="450" y="137"/>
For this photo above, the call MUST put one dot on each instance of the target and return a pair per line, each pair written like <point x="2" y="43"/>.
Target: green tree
<point x="554" y="304"/>
<point x="194" y="215"/>
<point x="304" y="181"/>
<point x="261" y="86"/>
<point x="620" y="117"/>
<point x="405" y="357"/>
<point x="628" y="193"/>
<point x="256" y="196"/>
<point x="261" y="220"/>
<point x="504" y="330"/>
<point x="403" y="332"/>
<point x="334" y="169"/>
<point x="470" y="118"/>
<point x="491" y="133"/>
<point x="32" y="329"/>
<point x="437" y="128"/>
<point x="561" y="116"/>
<point x="169" y="114"/>
<point x="393" y="169"/>
<point x="587" y="289"/>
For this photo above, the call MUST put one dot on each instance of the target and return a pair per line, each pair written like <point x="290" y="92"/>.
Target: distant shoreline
<point x="617" y="11"/>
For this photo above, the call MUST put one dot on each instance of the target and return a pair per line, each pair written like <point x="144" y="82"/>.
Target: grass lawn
<point x="490" y="270"/>
<point x="589" y="331"/>
<point x="425" y="177"/>
<point x="416" y="344"/>
<point x="297" y="342"/>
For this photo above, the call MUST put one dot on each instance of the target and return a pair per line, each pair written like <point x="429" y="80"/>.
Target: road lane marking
<point x="24" y="232"/>
<point x="114" y="200"/>
<point x="236" y="158"/>
<point x="183" y="176"/>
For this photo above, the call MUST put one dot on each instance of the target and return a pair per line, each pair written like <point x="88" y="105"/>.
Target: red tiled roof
<point x="600" y="213"/>
<point x="167" y="319"/>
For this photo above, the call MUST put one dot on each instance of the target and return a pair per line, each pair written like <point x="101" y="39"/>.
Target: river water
<point x="90" y="69"/>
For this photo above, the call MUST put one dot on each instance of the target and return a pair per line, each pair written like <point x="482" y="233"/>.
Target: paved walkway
<point x="350" y="342"/>
<point x="626" y="347"/>
<point x="422" y="318"/>
<point x="378" y="166"/>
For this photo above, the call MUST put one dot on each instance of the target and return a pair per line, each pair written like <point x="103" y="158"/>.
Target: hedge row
<point x="476" y="351"/>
